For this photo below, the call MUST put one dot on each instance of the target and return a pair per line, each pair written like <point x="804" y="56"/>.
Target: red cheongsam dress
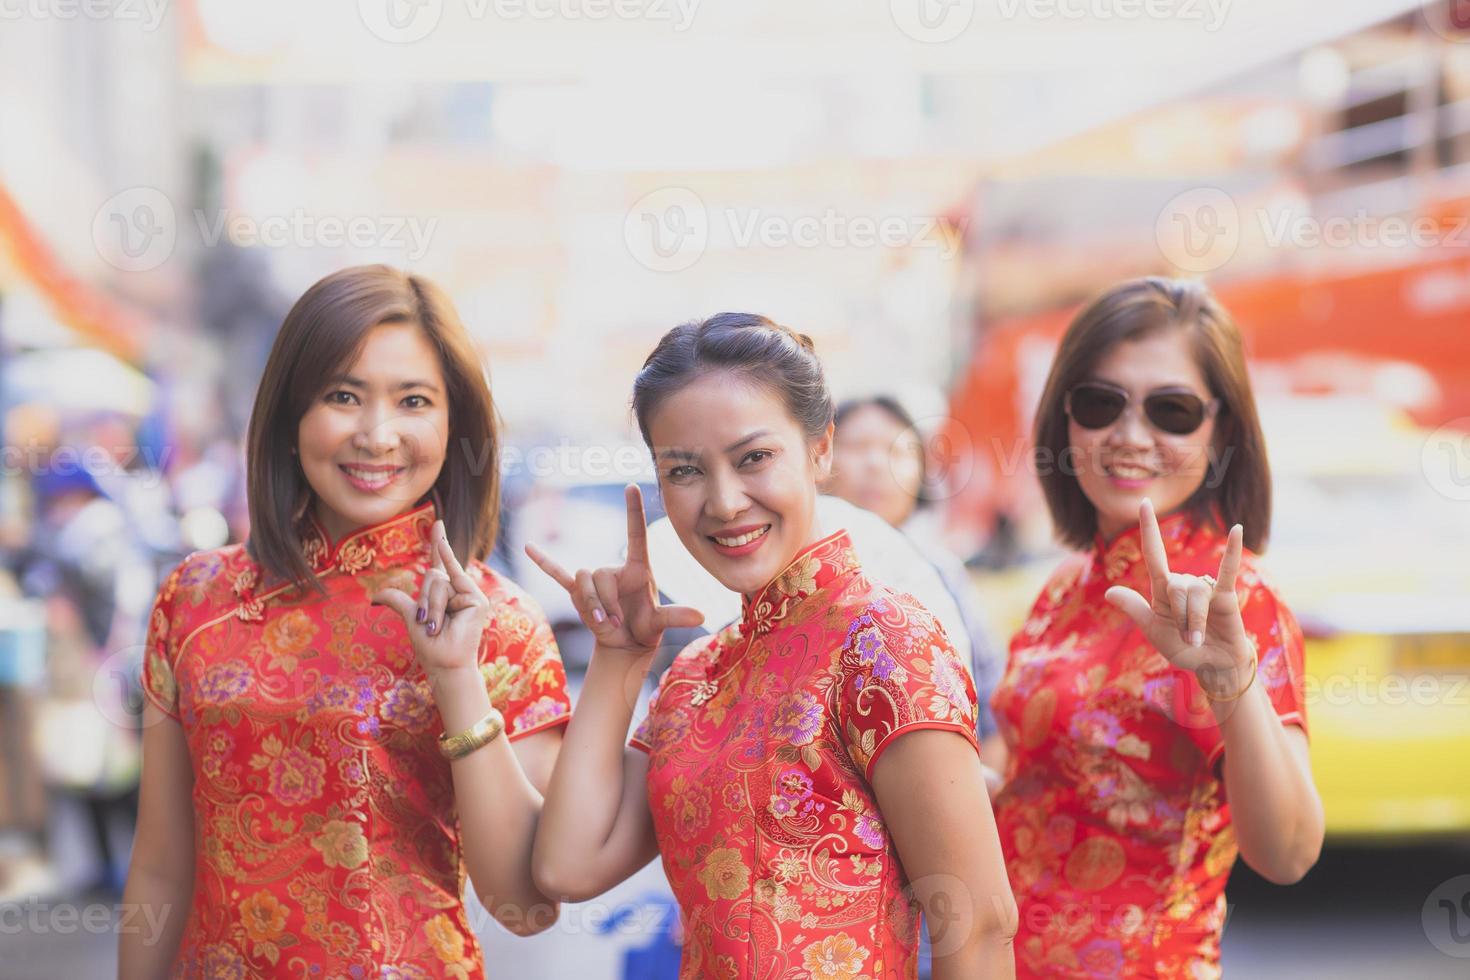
<point x="325" y="832"/>
<point x="1114" y="823"/>
<point x="761" y="742"/>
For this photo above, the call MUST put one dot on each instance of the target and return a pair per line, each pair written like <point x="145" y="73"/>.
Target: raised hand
<point x="1193" y="620"/>
<point x="448" y="620"/>
<point x="619" y="604"/>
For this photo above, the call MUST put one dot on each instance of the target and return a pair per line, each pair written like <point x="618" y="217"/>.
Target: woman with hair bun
<point x="809" y="775"/>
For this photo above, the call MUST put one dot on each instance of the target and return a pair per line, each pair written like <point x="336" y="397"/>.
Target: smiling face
<point x="1118" y="466"/>
<point x="374" y="440"/>
<point x="738" y="477"/>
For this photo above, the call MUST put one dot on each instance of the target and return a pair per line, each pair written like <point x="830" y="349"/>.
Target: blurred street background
<point x="927" y="188"/>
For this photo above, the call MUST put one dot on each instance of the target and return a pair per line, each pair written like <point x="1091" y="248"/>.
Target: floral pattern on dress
<point x="328" y="842"/>
<point x="761" y="743"/>
<point x="1116" y="832"/>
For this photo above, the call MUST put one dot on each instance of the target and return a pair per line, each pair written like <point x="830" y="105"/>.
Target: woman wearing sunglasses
<point x="1152" y="705"/>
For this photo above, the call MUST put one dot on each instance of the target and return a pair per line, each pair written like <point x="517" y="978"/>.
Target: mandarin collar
<point x="1121" y="559"/>
<point x="376" y="546"/>
<point x="815" y="568"/>
<point x="388" y="544"/>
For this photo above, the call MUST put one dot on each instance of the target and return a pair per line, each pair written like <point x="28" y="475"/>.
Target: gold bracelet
<point x="481" y="733"/>
<point x="1255" y="662"/>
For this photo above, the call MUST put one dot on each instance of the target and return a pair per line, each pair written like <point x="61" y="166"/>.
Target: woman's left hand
<point x="447" y="622"/>
<point x="1193" y="620"/>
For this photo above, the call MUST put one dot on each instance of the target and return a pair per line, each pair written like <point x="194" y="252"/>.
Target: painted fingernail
<point x="617" y="621"/>
<point x="597" y="616"/>
<point x="421" y="613"/>
<point x="1196" y="638"/>
<point x="432" y="627"/>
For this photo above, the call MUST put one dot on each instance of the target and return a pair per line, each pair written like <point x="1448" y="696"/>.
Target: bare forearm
<point x="1275" y="807"/>
<point x="155" y="910"/>
<point x="498" y="811"/>
<point x="586" y="794"/>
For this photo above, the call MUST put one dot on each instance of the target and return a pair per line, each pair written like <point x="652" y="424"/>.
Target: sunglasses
<point x="1177" y="411"/>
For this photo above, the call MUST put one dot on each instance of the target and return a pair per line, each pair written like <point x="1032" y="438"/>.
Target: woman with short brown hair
<point x="322" y="760"/>
<point x="1153" y="701"/>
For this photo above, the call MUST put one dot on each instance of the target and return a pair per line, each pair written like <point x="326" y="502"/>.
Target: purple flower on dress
<point x="1102" y="958"/>
<point x="407" y="706"/>
<point x="1095" y="728"/>
<point x="947" y="680"/>
<point x="296" y="777"/>
<point x="222" y="682"/>
<point x="795" y="785"/>
<point x="544" y="709"/>
<point x="870" y="831"/>
<point x="797" y="719"/>
<point x="869" y="646"/>
<point x="782" y="807"/>
<point x="222" y="961"/>
<point x="200" y="571"/>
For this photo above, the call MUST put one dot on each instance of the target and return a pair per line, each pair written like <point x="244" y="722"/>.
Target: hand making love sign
<point x="1193" y="620"/>
<point x="447" y="622"/>
<point x="619" y="604"/>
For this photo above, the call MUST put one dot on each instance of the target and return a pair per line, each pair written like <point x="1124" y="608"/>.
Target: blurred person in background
<point x="879" y="464"/>
<point x="86" y="562"/>
<point x="1152" y="705"/>
<point x="809" y="774"/>
<point x="331" y="743"/>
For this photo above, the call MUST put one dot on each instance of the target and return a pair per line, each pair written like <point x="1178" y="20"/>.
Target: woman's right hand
<point x="619" y="604"/>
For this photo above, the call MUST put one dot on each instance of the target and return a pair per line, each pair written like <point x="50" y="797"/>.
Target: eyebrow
<point x="690" y="456"/>
<point x="347" y="379"/>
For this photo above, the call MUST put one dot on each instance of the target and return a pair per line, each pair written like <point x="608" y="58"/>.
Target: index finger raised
<point x="637" y="527"/>
<point x="1155" y="558"/>
<point x="550" y="567"/>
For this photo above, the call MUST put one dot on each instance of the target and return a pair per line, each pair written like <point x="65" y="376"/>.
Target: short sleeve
<point x="522" y="667"/>
<point x="1282" y="659"/>
<point x="900" y="673"/>
<point x="160" y="647"/>
<point x="642" y="737"/>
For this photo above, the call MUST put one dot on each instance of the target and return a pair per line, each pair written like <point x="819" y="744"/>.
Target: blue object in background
<point x="659" y="960"/>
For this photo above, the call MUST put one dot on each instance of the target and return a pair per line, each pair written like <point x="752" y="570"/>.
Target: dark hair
<point x="752" y="346"/>
<point x="890" y="405"/>
<point x="1133" y="310"/>
<point x="322" y="334"/>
